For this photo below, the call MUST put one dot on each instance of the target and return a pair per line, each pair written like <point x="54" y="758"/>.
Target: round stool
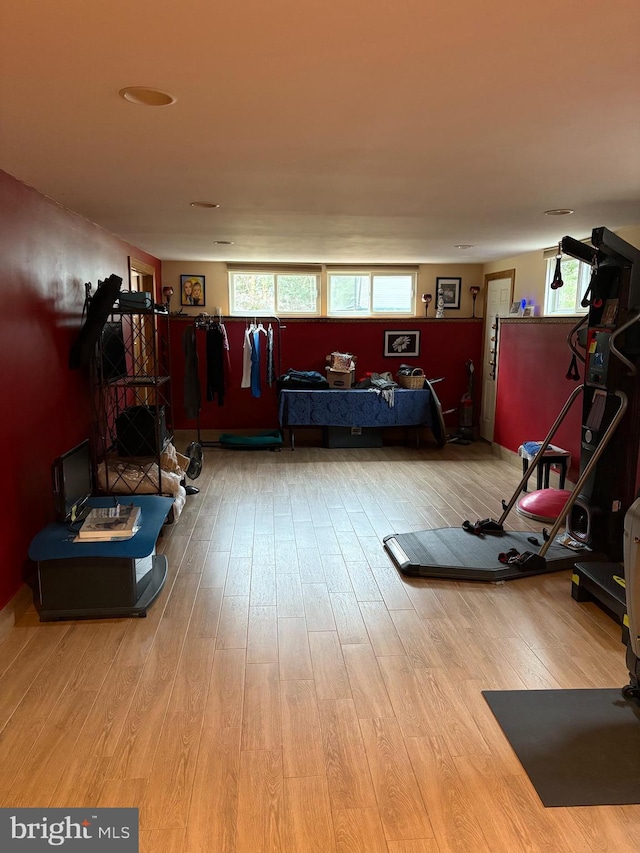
<point x="543" y="505"/>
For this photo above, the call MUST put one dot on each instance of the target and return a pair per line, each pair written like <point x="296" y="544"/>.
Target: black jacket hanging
<point x="215" y="364"/>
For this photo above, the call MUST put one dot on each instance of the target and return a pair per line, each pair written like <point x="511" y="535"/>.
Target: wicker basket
<point x="413" y="382"/>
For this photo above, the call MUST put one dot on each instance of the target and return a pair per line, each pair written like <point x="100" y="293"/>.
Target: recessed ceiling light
<point x="559" y="211"/>
<point x="207" y="204"/>
<point x="223" y="242"/>
<point x="464" y="246"/>
<point x="146" y="97"/>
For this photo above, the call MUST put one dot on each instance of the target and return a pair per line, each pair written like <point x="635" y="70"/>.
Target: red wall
<point x="533" y="388"/>
<point x="47" y="253"/>
<point x="445" y="348"/>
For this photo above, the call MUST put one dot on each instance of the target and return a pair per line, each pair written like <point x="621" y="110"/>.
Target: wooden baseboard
<point x="14" y="610"/>
<point x="507" y="455"/>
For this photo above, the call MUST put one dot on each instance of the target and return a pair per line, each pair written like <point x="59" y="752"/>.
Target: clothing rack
<point x="205" y="322"/>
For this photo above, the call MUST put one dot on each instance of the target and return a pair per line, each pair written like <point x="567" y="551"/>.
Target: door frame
<point x="489" y="277"/>
<point x="493" y="276"/>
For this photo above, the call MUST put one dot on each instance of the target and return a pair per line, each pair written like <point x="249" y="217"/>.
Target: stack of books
<point x="110" y="524"/>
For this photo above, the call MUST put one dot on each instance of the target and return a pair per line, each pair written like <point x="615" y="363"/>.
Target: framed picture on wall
<point x="406" y="344"/>
<point x="192" y="290"/>
<point x="450" y="289"/>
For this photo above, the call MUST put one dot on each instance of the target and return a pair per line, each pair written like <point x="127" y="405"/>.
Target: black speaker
<point x="141" y="431"/>
<point x="114" y="362"/>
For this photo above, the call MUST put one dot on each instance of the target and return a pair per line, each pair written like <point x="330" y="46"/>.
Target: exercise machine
<point x="632" y="583"/>
<point x="595" y="509"/>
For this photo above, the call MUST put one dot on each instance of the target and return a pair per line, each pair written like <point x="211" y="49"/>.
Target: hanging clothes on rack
<point x="216" y="337"/>
<point x="255" y="361"/>
<point x="246" y="358"/>
<point x="192" y="398"/>
<point x="218" y="361"/>
<point x="225" y="345"/>
<point x="271" y="373"/>
<point x="217" y="353"/>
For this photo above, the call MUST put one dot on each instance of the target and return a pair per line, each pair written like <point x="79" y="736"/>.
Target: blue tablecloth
<point x="354" y="408"/>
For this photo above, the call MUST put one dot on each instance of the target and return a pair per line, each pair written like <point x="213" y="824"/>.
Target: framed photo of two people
<point x="192" y="290"/>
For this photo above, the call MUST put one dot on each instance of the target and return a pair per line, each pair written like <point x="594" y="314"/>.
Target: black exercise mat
<point x="578" y="747"/>
<point x="452" y="552"/>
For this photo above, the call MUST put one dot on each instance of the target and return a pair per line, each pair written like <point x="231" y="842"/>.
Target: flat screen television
<point x="72" y="482"/>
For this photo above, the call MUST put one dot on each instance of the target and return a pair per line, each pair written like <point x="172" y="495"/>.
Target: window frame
<point x="276" y="272"/>
<point x="551" y="296"/>
<point x="372" y="274"/>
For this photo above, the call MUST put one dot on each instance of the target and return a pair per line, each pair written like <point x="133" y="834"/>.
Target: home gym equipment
<point x="543" y="505"/>
<point x="632" y="590"/>
<point x="594" y="511"/>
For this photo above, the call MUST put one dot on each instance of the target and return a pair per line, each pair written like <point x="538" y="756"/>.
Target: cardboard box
<point x="337" y="379"/>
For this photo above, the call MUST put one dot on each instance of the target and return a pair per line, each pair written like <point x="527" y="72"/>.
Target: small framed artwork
<point x="450" y="289"/>
<point x="192" y="290"/>
<point x="516" y="309"/>
<point x="529" y="311"/>
<point x="406" y="344"/>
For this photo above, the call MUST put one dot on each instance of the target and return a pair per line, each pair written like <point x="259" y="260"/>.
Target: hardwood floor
<point x="290" y="691"/>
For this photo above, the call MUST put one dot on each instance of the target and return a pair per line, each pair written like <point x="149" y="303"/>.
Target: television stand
<point x="101" y="580"/>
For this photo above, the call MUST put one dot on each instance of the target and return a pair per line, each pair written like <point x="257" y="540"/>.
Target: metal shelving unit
<point x="132" y="402"/>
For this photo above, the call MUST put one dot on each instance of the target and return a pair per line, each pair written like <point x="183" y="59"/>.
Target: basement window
<point x="367" y="294"/>
<point x="273" y="293"/>
<point x="565" y="301"/>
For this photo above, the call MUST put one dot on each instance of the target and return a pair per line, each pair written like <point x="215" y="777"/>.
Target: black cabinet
<point x="98" y="580"/>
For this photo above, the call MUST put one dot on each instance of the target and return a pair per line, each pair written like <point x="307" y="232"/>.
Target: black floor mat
<point x="452" y="552"/>
<point x="578" y="747"/>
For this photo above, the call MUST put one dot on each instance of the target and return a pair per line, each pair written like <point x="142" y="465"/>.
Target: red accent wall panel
<point x="445" y="348"/>
<point x="533" y="388"/>
<point x="47" y="253"/>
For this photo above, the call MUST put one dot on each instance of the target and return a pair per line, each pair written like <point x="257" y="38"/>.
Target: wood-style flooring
<point x="291" y="691"/>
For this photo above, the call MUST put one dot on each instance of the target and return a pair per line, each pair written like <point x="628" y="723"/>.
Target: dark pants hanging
<point x="191" y="379"/>
<point x="215" y="365"/>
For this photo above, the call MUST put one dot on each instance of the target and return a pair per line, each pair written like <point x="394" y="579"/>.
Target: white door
<point x="499" y="295"/>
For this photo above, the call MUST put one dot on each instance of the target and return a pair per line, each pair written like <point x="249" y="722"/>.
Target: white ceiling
<point x="328" y="130"/>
